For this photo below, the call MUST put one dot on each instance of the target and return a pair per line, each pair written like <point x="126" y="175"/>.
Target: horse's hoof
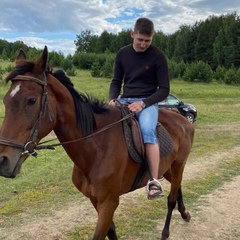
<point x="188" y="218"/>
<point x="164" y="238"/>
<point x="165" y="235"/>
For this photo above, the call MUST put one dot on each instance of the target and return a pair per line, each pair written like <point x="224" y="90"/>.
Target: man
<point x="143" y="71"/>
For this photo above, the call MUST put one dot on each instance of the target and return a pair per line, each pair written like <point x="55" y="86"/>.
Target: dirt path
<point x="217" y="215"/>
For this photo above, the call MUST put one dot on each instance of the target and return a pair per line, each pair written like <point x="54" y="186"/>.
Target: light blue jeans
<point x="147" y="118"/>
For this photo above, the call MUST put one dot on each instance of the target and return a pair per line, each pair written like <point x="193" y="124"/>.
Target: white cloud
<point x="33" y="21"/>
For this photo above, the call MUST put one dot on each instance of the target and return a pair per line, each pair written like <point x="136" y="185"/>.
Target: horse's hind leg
<point x="174" y="196"/>
<point x="181" y="208"/>
<point x="112" y="232"/>
<point x="172" y="200"/>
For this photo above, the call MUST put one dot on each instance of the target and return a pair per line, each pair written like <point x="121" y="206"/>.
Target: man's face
<point x="141" y="42"/>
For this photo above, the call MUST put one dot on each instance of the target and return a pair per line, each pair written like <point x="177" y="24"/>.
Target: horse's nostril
<point x="3" y="163"/>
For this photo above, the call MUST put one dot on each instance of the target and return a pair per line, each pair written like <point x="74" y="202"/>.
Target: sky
<point x="56" y="23"/>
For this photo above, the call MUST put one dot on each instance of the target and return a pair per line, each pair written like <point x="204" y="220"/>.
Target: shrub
<point x="219" y="73"/>
<point x="67" y="64"/>
<point x="198" y="72"/>
<point x="96" y="69"/>
<point x="71" y="72"/>
<point x="176" y="70"/>
<point x="107" y="69"/>
<point x="232" y="76"/>
<point x="9" y="68"/>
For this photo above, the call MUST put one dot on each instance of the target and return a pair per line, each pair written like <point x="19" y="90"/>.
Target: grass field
<point x="41" y="188"/>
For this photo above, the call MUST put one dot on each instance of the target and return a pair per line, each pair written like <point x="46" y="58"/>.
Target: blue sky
<point x="56" y="23"/>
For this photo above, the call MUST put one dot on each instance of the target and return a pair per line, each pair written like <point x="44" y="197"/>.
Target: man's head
<point x="142" y="34"/>
<point x="144" y="26"/>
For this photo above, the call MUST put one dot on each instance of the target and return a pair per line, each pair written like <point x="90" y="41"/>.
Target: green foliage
<point x="214" y="41"/>
<point x="176" y="69"/>
<point x="198" y="72"/>
<point x="226" y="45"/>
<point x="102" y="71"/>
<point x="107" y="68"/>
<point x="219" y="74"/>
<point x="206" y="33"/>
<point x="83" y="41"/>
<point x="232" y="76"/>
<point x="71" y="71"/>
<point x="86" y="60"/>
<point x="89" y="43"/>
<point x="191" y="50"/>
<point x="66" y="64"/>
<point x="4" y="69"/>
<point x="183" y="44"/>
<point x="159" y="40"/>
<point x="96" y="69"/>
<point x="55" y="59"/>
<point x="4" y="54"/>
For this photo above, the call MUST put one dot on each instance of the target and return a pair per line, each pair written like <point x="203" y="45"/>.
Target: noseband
<point x="30" y="147"/>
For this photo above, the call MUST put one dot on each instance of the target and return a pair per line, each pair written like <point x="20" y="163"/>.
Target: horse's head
<point x="26" y="108"/>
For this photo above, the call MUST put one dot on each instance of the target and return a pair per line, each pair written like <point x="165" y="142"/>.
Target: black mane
<point x="20" y="70"/>
<point x="85" y="105"/>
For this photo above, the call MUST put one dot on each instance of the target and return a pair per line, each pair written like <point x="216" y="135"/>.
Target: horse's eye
<point x="31" y="101"/>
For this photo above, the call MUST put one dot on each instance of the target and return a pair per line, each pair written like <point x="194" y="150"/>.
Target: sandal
<point x="154" y="184"/>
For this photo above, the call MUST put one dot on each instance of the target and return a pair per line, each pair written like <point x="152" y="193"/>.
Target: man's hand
<point x="112" y="102"/>
<point x="135" y="107"/>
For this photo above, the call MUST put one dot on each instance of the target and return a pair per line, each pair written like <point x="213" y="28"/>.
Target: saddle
<point x="134" y="138"/>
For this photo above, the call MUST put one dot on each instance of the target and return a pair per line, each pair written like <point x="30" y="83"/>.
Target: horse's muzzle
<point x="6" y="170"/>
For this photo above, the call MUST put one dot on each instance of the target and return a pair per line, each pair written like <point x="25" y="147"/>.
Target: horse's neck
<point x="62" y="104"/>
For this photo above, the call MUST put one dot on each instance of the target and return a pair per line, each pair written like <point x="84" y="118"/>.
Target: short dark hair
<point x="144" y="26"/>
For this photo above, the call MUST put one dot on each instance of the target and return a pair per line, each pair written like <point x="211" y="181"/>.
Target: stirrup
<point x="154" y="184"/>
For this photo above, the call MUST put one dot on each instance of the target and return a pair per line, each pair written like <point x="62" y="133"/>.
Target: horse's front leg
<point x="105" y="226"/>
<point x="105" y="208"/>
<point x="171" y="205"/>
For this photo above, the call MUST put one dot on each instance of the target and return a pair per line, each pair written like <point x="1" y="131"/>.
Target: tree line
<point x="208" y="50"/>
<point x="215" y="41"/>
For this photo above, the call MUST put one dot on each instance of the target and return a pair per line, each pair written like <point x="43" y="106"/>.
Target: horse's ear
<point x="41" y="63"/>
<point x="21" y="57"/>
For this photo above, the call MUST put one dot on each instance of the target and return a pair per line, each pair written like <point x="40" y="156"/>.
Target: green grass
<point x="44" y="184"/>
<point x="4" y="64"/>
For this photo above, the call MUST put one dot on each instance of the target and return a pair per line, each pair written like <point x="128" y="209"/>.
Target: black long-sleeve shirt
<point x="145" y="74"/>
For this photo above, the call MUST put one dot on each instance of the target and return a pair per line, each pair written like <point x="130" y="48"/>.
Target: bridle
<point x="30" y="147"/>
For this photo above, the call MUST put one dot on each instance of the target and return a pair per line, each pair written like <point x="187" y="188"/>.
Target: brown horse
<point x="40" y="101"/>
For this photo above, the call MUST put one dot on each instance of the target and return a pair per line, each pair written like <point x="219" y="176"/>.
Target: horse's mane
<point x="85" y="105"/>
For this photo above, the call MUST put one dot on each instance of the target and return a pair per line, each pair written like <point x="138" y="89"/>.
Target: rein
<point x="32" y="143"/>
<point x="39" y="147"/>
<point x="11" y="143"/>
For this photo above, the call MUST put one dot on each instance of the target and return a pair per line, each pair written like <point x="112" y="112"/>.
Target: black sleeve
<point x="163" y="81"/>
<point x="116" y="84"/>
<point x="158" y="96"/>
